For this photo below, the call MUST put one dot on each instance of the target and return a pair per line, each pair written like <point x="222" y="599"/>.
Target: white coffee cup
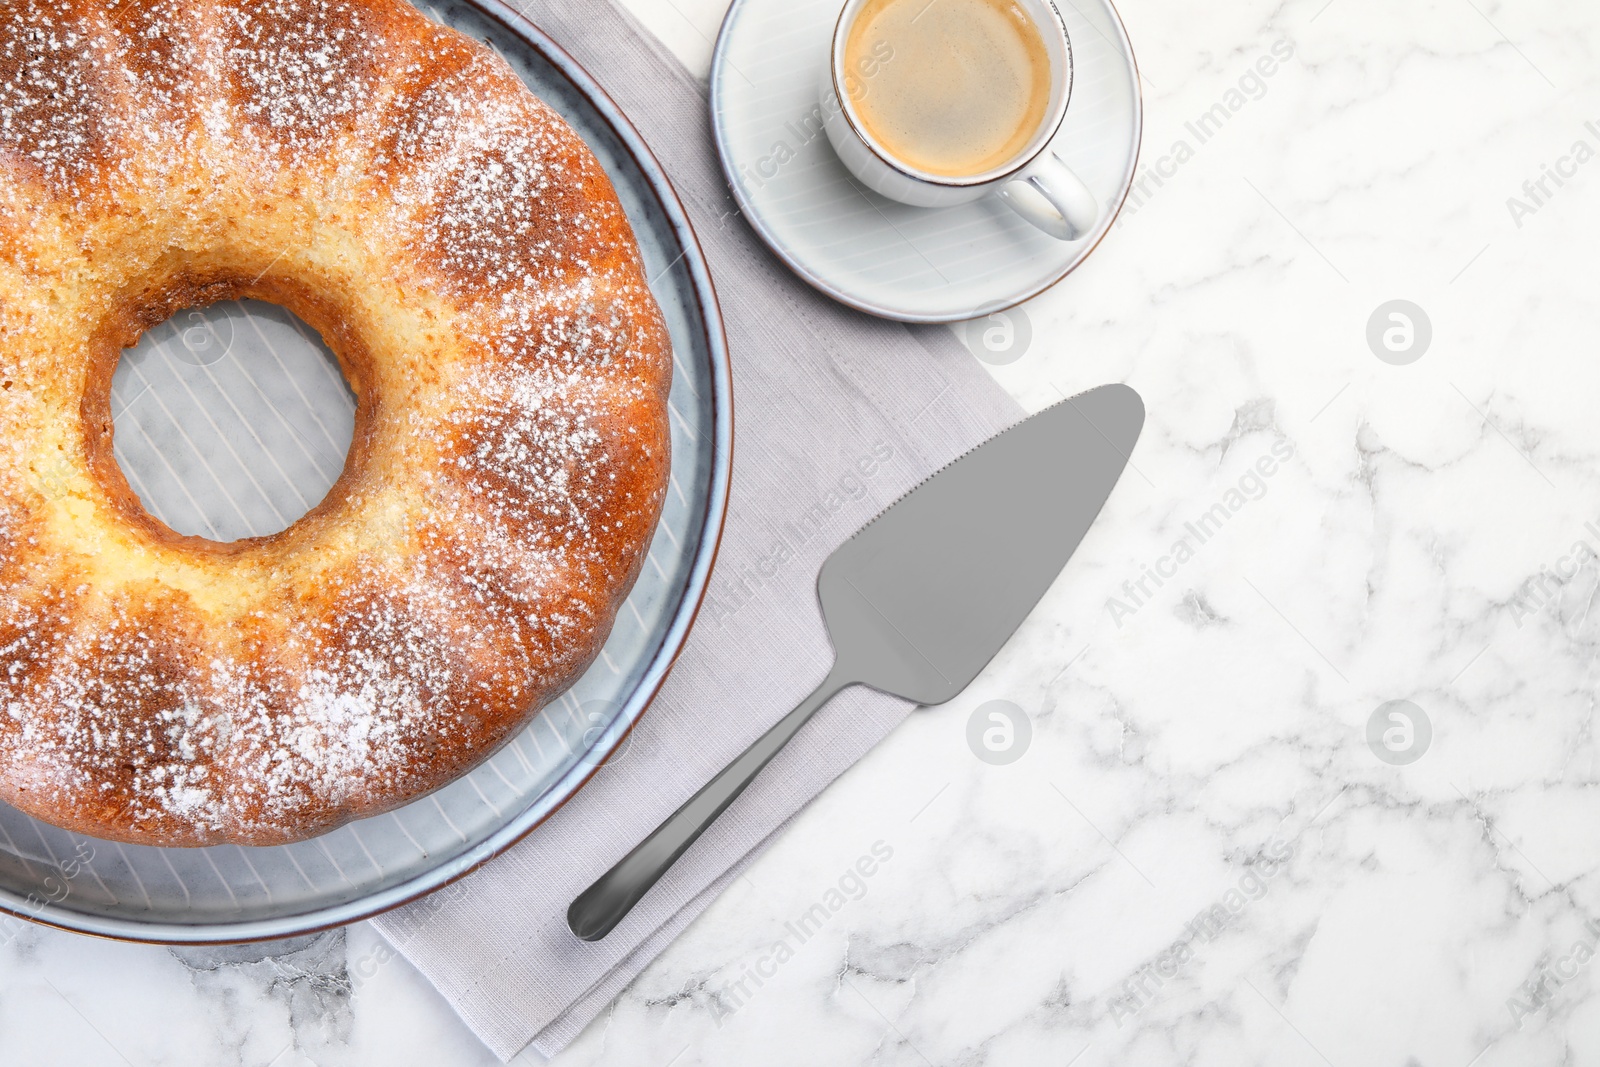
<point x="1035" y="183"/>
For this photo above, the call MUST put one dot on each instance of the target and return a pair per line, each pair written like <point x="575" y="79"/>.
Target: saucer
<point x="882" y="257"/>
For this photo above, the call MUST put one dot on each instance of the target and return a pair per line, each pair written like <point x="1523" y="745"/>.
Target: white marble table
<point x="1199" y="859"/>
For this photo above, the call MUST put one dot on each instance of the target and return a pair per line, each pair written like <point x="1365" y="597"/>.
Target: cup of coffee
<point x="939" y="102"/>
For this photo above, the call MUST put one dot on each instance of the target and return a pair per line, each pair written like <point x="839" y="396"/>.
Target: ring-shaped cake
<point x="463" y="254"/>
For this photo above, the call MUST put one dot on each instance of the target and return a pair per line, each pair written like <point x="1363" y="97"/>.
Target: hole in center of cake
<point x="232" y="420"/>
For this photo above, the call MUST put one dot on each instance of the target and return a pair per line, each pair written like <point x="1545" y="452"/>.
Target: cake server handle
<point x="598" y="909"/>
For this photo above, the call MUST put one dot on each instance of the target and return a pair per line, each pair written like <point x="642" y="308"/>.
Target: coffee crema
<point x="966" y="87"/>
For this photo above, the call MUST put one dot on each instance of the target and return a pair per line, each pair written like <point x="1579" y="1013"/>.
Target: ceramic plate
<point x="233" y="420"/>
<point x="884" y="258"/>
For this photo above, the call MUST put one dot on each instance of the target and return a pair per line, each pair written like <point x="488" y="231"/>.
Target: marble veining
<point x="1207" y="854"/>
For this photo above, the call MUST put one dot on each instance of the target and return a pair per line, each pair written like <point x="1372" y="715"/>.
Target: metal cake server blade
<point x="921" y="599"/>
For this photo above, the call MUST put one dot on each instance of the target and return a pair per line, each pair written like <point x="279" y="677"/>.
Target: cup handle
<point x="1053" y="198"/>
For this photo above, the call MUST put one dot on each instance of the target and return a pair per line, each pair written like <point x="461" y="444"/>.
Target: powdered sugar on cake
<point x="340" y="669"/>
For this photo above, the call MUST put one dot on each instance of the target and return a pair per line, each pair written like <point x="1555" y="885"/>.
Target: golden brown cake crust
<point x="462" y="252"/>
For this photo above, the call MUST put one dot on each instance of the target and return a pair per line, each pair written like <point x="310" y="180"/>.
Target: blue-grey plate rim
<point x="710" y="319"/>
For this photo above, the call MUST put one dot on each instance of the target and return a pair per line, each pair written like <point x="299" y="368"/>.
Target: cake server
<point x="921" y="599"/>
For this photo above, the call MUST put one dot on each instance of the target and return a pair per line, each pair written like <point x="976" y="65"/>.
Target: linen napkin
<point x="837" y="415"/>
